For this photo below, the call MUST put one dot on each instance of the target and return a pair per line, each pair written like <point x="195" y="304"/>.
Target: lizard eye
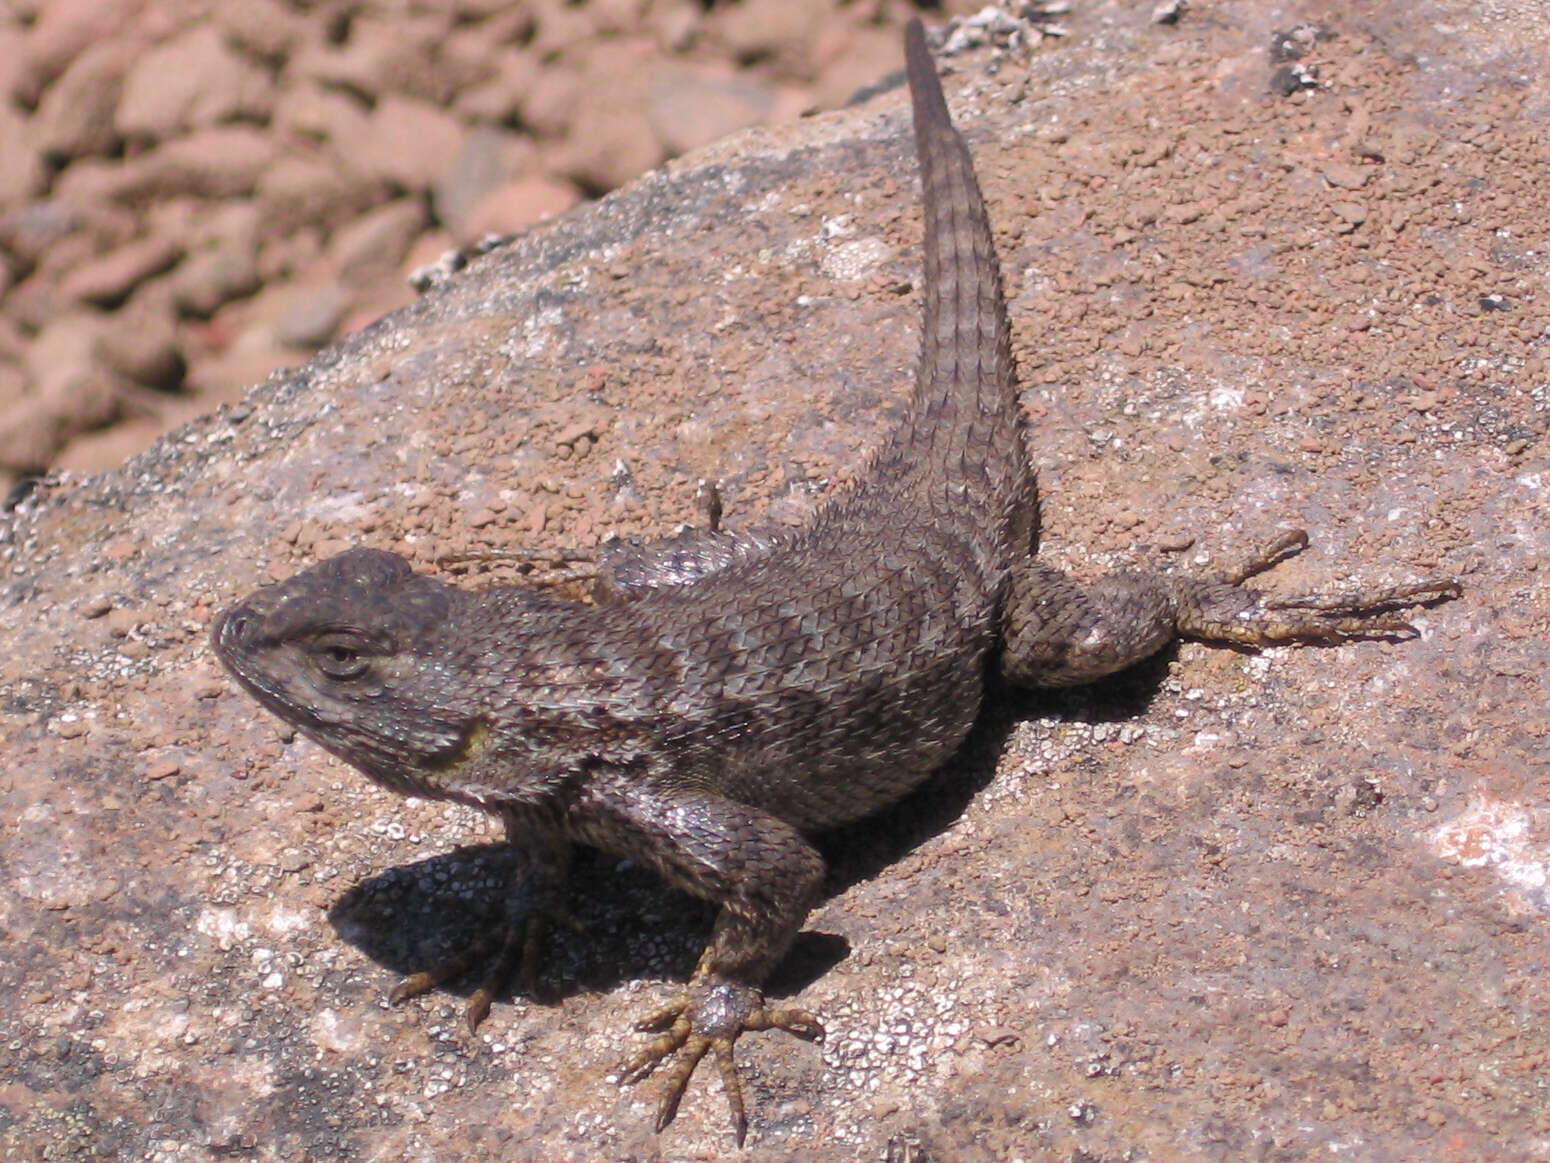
<point x="341" y="657"/>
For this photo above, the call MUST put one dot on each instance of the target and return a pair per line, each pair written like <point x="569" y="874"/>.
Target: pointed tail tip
<point x="926" y="96"/>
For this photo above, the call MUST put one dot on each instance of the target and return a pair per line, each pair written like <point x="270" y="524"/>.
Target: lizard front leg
<point x="764" y="876"/>
<point x="514" y="939"/>
<point x="1057" y="632"/>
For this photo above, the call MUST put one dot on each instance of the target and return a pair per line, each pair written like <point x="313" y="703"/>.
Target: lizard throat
<point x="469" y="749"/>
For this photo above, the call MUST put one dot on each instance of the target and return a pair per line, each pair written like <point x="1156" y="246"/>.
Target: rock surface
<point x="154" y="127"/>
<point x="1230" y="907"/>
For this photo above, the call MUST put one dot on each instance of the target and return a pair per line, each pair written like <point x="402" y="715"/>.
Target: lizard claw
<point x="515" y="947"/>
<point x="512" y="937"/>
<point x="708" y="1018"/>
<point x="1221" y="609"/>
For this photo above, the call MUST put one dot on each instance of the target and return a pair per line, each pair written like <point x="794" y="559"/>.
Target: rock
<point x="82" y="393"/>
<point x="299" y="193"/>
<point x="223" y="376"/>
<point x="31" y="434"/>
<point x="225" y="162"/>
<point x="849" y="60"/>
<point x="64" y="349"/>
<point x="477" y="10"/>
<point x="23" y="174"/>
<point x="63" y="32"/>
<point x="193" y="81"/>
<point x="52" y="241"/>
<point x="142" y="344"/>
<point x="102" y="228"/>
<point x="324" y="115"/>
<point x="689" y="106"/>
<point x="604" y="88"/>
<point x="1347" y="177"/>
<point x="384" y="57"/>
<point x="379" y="300"/>
<point x="430" y="249"/>
<point x="375" y="244"/>
<point x="110" y="447"/>
<point x="13" y="40"/>
<point x="266" y="29"/>
<point x="518" y="205"/>
<point x="70" y="391"/>
<point x="781" y="33"/>
<point x="33" y="301"/>
<point x="409" y="144"/>
<point x="224" y="264"/>
<point x="28" y="232"/>
<point x="311" y="314"/>
<point x="75" y="115"/>
<point x="282" y="258"/>
<point x="558" y="27"/>
<point x="472" y="55"/>
<point x="13" y="383"/>
<point x="11" y="340"/>
<point x="1351" y="215"/>
<point x="108" y="280"/>
<point x="490" y="159"/>
<point x="498" y="100"/>
<point x="211" y="278"/>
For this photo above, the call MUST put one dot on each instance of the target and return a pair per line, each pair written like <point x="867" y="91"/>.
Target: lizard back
<point x="826" y="677"/>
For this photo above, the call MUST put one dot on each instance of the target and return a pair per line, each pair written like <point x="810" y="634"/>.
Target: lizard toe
<point x="708" y="1018"/>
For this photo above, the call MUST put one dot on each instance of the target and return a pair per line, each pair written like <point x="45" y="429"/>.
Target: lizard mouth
<point x="238" y="637"/>
<point x="231" y="638"/>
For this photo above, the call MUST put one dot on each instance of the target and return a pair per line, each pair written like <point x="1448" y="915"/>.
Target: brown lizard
<point x="736" y="693"/>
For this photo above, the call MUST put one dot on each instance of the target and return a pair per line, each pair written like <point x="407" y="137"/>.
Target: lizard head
<point x="347" y="652"/>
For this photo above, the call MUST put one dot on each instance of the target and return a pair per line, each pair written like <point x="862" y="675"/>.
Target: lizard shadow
<point x="628" y="924"/>
<point x="860" y="850"/>
<point x="631" y="924"/>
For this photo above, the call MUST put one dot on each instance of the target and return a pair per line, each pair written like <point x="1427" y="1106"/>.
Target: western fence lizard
<point x="729" y="694"/>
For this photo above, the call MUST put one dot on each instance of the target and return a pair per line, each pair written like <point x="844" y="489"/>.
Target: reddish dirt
<point x="1228" y="906"/>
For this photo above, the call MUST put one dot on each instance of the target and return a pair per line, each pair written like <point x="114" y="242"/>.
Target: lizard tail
<point x="965" y="406"/>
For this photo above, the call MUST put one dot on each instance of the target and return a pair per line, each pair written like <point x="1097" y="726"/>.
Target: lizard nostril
<point x="233" y="626"/>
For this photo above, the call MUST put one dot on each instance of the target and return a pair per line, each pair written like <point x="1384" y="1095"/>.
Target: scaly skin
<point x="738" y="692"/>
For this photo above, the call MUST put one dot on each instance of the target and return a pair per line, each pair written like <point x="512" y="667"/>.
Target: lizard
<point x="727" y="695"/>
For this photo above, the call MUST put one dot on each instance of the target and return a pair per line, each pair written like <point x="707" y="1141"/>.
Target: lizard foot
<point x="514" y="933"/>
<point x="508" y="947"/>
<point x="708" y="1018"/>
<point x="1220" y="609"/>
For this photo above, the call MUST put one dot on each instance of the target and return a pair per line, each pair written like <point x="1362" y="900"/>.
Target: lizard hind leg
<point x="1058" y="632"/>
